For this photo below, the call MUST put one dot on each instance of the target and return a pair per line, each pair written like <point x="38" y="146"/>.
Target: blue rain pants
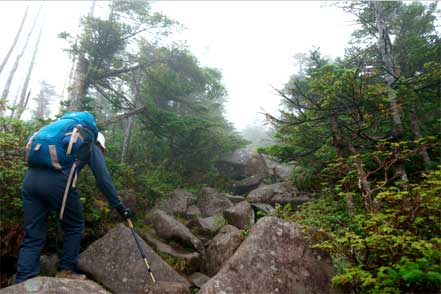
<point x="42" y="192"/>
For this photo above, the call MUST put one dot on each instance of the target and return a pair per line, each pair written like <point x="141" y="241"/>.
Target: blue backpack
<point x="60" y="144"/>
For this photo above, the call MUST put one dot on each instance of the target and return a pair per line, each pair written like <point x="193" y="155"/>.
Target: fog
<point x="251" y="42"/>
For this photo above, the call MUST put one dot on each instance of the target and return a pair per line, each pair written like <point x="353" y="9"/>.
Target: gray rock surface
<point x="207" y="226"/>
<point x="263" y="207"/>
<point x="192" y="212"/>
<point x="279" y="171"/>
<point x="192" y="259"/>
<point x="177" y="203"/>
<point x="169" y="228"/>
<point x="114" y="261"/>
<point x="246" y="185"/>
<point x="241" y="215"/>
<point x="235" y="198"/>
<point x="242" y="163"/>
<point x="168" y="288"/>
<point x="49" y="285"/>
<point x="221" y="248"/>
<point x="282" y="193"/>
<point x="198" y="279"/>
<point x="275" y="258"/>
<point x="212" y="202"/>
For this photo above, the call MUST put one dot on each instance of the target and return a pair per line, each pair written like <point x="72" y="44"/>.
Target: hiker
<point x="55" y="158"/>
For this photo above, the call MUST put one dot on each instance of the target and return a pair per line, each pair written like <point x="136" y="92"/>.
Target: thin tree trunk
<point x="5" y="60"/>
<point x="127" y="135"/>
<point x="364" y="185"/>
<point x="79" y="84"/>
<point x="15" y="101"/>
<point x="385" y="46"/>
<point x="5" y="92"/>
<point x="23" y="101"/>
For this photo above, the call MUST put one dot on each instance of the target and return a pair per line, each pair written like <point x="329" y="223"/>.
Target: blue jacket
<point x="103" y="180"/>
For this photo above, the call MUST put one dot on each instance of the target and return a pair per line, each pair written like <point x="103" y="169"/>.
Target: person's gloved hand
<point x="125" y="212"/>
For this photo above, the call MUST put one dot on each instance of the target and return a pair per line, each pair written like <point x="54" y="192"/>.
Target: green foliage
<point x="177" y="263"/>
<point x="394" y="250"/>
<point x="12" y="167"/>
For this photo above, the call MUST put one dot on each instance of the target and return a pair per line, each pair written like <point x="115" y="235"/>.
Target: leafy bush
<point x="394" y="250"/>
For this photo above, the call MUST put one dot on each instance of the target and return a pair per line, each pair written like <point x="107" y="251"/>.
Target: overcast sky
<point x="251" y="42"/>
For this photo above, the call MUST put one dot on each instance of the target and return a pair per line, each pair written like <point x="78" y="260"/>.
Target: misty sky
<point x="252" y="43"/>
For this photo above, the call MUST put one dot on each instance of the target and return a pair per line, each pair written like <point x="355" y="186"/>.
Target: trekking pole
<point x="140" y="249"/>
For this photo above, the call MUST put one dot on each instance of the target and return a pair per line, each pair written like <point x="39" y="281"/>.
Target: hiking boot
<point x="70" y="274"/>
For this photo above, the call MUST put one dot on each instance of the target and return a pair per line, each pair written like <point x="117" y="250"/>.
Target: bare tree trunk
<point x="80" y="84"/>
<point x="5" y="60"/>
<point x="23" y="101"/>
<point x="68" y="80"/>
<point x="392" y="72"/>
<point x="5" y="92"/>
<point x="15" y="101"/>
<point x="127" y="135"/>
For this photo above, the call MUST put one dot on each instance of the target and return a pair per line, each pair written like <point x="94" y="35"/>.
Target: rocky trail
<point x="210" y="243"/>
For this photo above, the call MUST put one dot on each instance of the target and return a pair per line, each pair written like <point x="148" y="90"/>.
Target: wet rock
<point x="49" y="285"/>
<point x="115" y="262"/>
<point x="212" y="202"/>
<point x="242" y="163"/>
<point x="221" y="248"/>
<point x="169" y="228"/>
<point x="275" y="258"/>
<point x="241" y="215"/>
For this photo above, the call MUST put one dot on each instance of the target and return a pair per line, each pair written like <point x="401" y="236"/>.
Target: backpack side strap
<point x="54" y="157"/>
<point x="66" y="190"/>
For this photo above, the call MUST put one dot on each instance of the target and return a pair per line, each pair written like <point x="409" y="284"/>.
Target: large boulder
<point x="176" y="203"/>
<point x="192" y="260"/>
<point x="245" y="185"/>
<point x="49" y="285"/>
<point x="221" y="248"/>
<point x="207" y="226"/>
<point x="241" y="215"/>
<point x="115" y="262"/>
<point x="242" y="163"/>
<point x="279" y="171"/>
<point x="198" y="279"/>
<point x="169" y="228"/>
<point x="275" y="258"/>
<point x="212" y="202"/>
<point x="282" y="193"/>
